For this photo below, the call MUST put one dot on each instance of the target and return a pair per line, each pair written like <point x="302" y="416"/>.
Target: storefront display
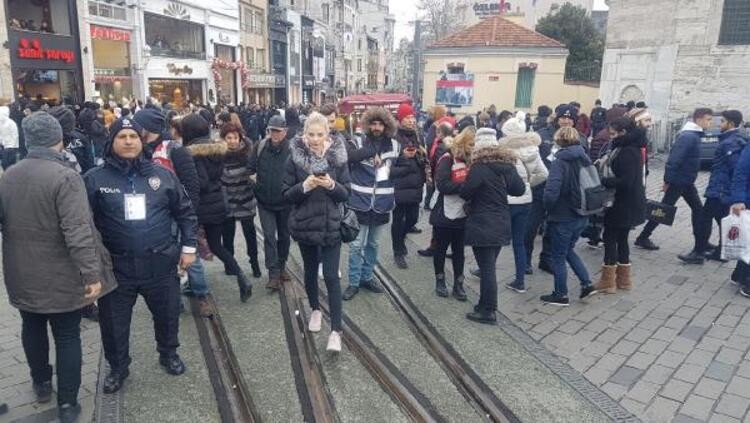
<point x="226" y="80"/>
<point x="112" y="70"/>
<point x="178" y="92"/>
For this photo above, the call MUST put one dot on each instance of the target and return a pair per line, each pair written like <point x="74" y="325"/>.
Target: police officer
<point x="135" y="205"/>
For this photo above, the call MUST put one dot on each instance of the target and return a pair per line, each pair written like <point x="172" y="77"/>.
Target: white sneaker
<point x="334" y="342"/>
<point x="316" y="319"/>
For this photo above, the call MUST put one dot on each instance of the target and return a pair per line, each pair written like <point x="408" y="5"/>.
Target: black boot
<point x="694" y="257"/>
<point x="458" y="288"/>
<point x="256" y="266"/>
<point x="113" y="381"/>
<point x="440" y="288"/>
<point x="246" y="289"/>
<point x="68" y="413"/>
<point x="482" y="316"/>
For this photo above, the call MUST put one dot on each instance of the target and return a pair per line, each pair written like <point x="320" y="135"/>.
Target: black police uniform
<point x="144" y="249"/>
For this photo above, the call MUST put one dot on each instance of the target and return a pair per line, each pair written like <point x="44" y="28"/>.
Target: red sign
<point x="455" y="83"/>
<point x="33" y="50"/>
<point x="110" y="34"/>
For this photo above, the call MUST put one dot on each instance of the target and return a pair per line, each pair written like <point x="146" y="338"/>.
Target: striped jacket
<point x="372" y="188"/>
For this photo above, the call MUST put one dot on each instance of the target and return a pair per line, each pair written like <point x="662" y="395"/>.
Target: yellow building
<point x="503" y="63"/>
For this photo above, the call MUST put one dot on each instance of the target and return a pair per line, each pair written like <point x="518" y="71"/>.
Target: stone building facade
<point x="677" y="55"/>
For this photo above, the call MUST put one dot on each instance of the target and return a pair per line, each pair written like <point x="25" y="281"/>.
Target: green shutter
<point x="524" y="87"/>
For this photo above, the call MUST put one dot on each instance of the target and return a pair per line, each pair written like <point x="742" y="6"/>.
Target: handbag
<point x="349" y="225"/>
<point x="660" y="213"/>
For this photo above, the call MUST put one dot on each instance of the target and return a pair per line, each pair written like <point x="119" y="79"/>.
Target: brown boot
<point x="606" y="284"/>
<point x="274" y="282"/>
<point x="285" y="276"/>
<point x="623" y="277"/>
<point x="204" y="307"/>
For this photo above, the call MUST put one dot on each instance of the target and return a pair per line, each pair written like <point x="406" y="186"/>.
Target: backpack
<point x="590" y="195"/>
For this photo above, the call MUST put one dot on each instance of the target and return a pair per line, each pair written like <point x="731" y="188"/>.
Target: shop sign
<point x="177" y="70"/>
<point x="258" y="80"/>
<point x="109" y="34"/>
<point x="308" y="82"/>
<point x="489" y="9"/>
<point x="33" y="50"/>
<point x="110" y="72"/>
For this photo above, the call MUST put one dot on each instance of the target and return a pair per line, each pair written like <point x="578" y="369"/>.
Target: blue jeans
<point x="564" y="236"/>
<point x="197" y="278"/>
<point x="363" y="255"/>
<point x="519" y="216"/>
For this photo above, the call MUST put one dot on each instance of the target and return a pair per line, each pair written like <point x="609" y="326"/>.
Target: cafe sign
<point x="33" y="50"/>
<point x="487" y="8"/>
<point x="109" y="34"/>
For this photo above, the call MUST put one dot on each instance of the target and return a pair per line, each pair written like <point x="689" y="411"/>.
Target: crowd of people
<point x="121" y="201"/>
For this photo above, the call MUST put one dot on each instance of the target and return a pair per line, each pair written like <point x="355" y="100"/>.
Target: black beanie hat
<point x="465" y="122"/>
<point x="734" y="116"/>
<point x="116" y="127"/>
<point x="151" y="120"/>
<point x="567" y="111"/>
<point x="544" y="111"/>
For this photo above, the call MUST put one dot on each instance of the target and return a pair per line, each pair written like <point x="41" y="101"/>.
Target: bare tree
<point x="442" y="17"/>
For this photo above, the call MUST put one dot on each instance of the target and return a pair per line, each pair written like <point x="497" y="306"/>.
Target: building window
<point x="260" y="58"/>
<point x="50" y="16"/>
<point x="524" y="87"/>
<point x="107" y="10"/>
<point x="734" y="23"/>
<point x="173" y="38"/>
<point x="250" y="57"/>
<point x="253" y="21"/>
<point x="359" y="65"/>
<point x="326" y="12"/>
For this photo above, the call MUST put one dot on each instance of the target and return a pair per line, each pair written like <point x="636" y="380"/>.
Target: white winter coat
<point x="8" y="129"/>
<point x="529" y="165"/>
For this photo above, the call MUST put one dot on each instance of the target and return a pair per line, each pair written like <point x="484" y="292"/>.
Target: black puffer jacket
<point x="629" y="208"/>
<point x="209" y="162"/>
<point x="315" y="218"/>
<point x="409" y="174"/>
<point x="492" y="178"/>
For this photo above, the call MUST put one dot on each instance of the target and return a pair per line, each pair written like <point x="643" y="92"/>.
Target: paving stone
<point x="633" y="406"/>
<point x="657" y="374"/>
<point x="739" y="386"/>
<point x="610" y="336"/>
<point x="682" y="418"/>
<point x="625" y="347"/>
<point x="611" y="361"/>
<point x="654" y="346"/>
<point x="596" y="349"/>
<point x="626" y="376"/>
<point x="685" y="311"/>
<point x="571" y="327"/>
<point x="677" y="280"/>
<point x="661" y="410"/>
<point x="719" y="332"/>
<point x="676" y="322"/>
<point x="697" y="407"/>
<point x="728" y="320"/>
<point x="710" y="344"/>
<point x="720" y="371"/>
<point x="721" y="418"/>
<point x="614" y="390"/>
<point x="738" y="342"/>
<point x="676" y="390"/>
<point x="682" y="345"/>
<point x="744" y="369"/>
<point x="729" y="356"/>
<point x="671" y="359"/>
<point x="690" y="372"/>
<point x="641" y="360"/>
<point x="597" y="375"/>
<point x="693" y="332"/>
<point x="639" y="335"/>
<point x="710" y="388"/>
<point x="700" y="357"/>
<point x="651" y="323"/>
<point x="733" y="405"/>
<point x="643" y="391"/>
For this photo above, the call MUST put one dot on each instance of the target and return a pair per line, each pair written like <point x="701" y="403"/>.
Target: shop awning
<point x="391" y="102"/>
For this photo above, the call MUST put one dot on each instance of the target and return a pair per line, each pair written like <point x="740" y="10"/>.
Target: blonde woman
<point x="316" y="184"/>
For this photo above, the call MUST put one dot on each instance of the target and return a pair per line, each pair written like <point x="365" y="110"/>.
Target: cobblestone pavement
<point x="675" y="349"/>
<point x="15" y="379"/>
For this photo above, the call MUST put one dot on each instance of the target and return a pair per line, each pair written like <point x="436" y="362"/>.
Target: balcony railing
<point x="182" y="54"/>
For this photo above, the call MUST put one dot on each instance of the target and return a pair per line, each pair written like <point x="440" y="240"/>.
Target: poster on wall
<point x="456" y="89"/>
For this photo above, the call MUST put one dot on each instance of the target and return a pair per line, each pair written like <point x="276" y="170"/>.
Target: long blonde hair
<point x="462" y="144"/>
<point x="316" y="118"/>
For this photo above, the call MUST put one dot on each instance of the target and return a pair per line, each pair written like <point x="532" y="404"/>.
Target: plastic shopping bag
<point x="735" y="237"/>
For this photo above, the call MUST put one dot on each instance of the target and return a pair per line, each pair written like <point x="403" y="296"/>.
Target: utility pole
<point x="416" y="68"/>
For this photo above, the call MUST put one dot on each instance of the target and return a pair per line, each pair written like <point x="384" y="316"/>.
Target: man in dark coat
<point x="53" y="261"/>
<point x="136" y="204"/>
<point x="409" y="177"/>
<point x="731" y="144"/>
<point x="76" y="142"/>
<point x="268" y="163"/>
<point x="598" y="118"/>
<point x="680" y="174"/>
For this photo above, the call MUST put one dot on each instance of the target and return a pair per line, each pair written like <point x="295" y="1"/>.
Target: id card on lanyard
<point x="135" y="204"/>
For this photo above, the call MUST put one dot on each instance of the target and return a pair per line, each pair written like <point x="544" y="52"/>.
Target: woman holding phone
<point x="316" y="184"/>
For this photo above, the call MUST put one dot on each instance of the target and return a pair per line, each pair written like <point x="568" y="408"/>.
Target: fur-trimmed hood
<point x="334" y="157"/>
<point x="379" y="113"/>
<point x="494" y="154"/>
<point x="207" y="148"/>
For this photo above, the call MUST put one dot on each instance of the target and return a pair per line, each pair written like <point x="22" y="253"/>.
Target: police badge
<point x="154" y="182"/>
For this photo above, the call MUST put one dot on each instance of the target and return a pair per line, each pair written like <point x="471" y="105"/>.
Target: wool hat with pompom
<point x="404" y="110"/>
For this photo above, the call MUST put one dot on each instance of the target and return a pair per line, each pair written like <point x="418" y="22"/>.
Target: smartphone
<point x="320" y="174"/>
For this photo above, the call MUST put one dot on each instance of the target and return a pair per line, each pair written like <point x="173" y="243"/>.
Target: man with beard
<point x="371" y="158"/>
<point x="408" y="179"/>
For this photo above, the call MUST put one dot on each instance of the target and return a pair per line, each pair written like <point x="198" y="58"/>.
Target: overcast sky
<point x="406" y="10"/>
